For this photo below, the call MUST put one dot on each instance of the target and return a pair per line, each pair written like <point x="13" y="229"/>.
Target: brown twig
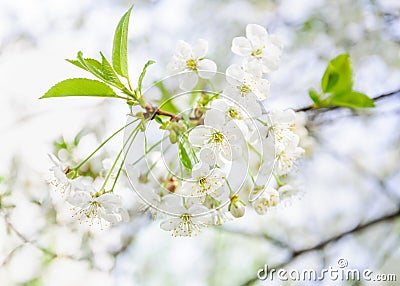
<point x="152" y="111"/>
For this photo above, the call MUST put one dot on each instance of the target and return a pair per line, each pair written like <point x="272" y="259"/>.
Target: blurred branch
<point x="321" y="245"/>
<point x="25" y="240"/>
<point x="10" y="255"/>
<point x="324" y="109"/>
<point x="264" y="236"/>
<point x="381" y="182"/>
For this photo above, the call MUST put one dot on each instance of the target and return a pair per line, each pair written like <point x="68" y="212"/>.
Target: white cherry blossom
<point x="188" y="219"/>
<point x="91" y="205"/>
<point x="205" y="181"/>
<point x="60" y="180"/>
<point x="191" y="59"/>
<point x="221" y="136"/>
<point x="259" y="47"/>
<point x="287" y="158"/>
<point x="234" y="110"/>
<point x="247" y="80"/>
<point x="268" y="199"/>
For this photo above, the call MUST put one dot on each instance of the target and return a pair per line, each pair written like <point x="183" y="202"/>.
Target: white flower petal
<point x="199" y="49"/>
<point x="235" y="75"/>
<point x="241" y="46"/>
<point x="197" y="209"/>
<point x="199" y="135"/>
<point x="176" y="66"/>
<point x="110" y="217"/>
<point x="232" y="92"/>
<point x="257" y="35"/>
<point x="79" y="199"/>
<point x="110" y="202"/>
<point x="253" y="106"/>
<point x="170" y="224"/>
<point x="188" y="80"/>
<point x="124" y="214"/>
<point x="208" y="156"/>
<point x="200" y="170"/>
<point x="206" y="68"/>
<point x="214" y="118"/>
<point x="183" y="50"/>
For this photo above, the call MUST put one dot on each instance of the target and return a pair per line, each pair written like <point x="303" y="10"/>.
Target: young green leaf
<point x="109" y="73"/>
<point x="315" y="97"/>
<point x="158" y="119"/>
<point x="338" y="75"/>
<point x="143" y="73"/>
<point x="102" y="70"/>
<point x="184" y="157"/>
<point x="352" y="99"/>
<point x="79" y="87"/>
<point x="120" y="46"/>
<point x="93" y="66"/>
<point x="165" y="102"/>
<point x="92" y="62"/>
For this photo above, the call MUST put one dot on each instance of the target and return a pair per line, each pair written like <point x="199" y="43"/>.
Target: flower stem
<point x="76" y="168"/>
<point x="278" y="180"/>
<point x="131" y="138"/>
<point x="122" y="163"/>
<point x="149" y="150"/>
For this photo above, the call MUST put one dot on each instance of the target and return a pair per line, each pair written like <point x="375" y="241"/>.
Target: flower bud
<point x="237" y="209"/>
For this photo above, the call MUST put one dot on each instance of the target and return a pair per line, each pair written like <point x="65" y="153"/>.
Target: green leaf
<point x="79" y="87"/>
<point x="338" y="75"/>
<point x="158" y="119"/>
<point x="184" y="157"/>
<point x="141" y="77"/>
<point x="2" y="179"/>
<point x="315" y="97"/>
<point x="93" y="66"/>
<point x="352" y="99"/>
<point x="89" y="61"/>
<point x="120" y="46"/>
<point x="109" y="73"/>
<point x="166" y="102"/>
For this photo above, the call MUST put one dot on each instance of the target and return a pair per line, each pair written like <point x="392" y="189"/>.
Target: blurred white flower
<point x="191" y="59"/>
<point x="287" y="157"/>
<point x="286" y="141"/>
<point x="268" y="199"/>
<point x="288" y="192"/>
<point x="94" y="205"/>
<point x="60" y="180"/>
<point x="259" y="47"/>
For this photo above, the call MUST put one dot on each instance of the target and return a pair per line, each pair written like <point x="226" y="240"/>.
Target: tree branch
<point x="323" y="109"/>
<point x="324" y="243"/>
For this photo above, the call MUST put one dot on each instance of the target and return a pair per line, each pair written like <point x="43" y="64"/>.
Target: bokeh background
<point x="350" y="176"/>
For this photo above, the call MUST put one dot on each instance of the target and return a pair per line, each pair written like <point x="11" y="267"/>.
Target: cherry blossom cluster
<point x="242" y="153"/>
<point x="225" y="151"/>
